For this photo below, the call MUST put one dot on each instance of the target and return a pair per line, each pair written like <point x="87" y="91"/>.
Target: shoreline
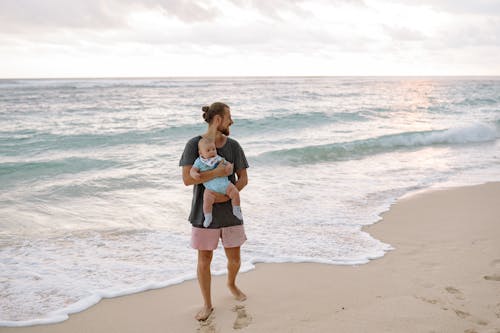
<point x="420" y="286"/>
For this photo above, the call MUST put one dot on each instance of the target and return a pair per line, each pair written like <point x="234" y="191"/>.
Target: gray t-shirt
<point x="222" y="212"/>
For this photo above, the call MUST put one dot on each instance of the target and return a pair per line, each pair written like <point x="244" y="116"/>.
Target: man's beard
<point x="224" y="130"/>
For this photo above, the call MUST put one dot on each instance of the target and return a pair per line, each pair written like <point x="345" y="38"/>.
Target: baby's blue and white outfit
<point x="218" y="184"/>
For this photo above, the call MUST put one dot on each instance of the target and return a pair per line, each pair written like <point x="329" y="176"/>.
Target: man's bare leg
<point x="233" y="267"/>
<point x="205" y="279"/>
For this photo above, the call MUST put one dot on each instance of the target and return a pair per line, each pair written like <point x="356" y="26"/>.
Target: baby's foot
<point x="237" y="212"/>
<point x="208" y="220"/>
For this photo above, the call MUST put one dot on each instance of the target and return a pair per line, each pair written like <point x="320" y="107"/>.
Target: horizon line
<point x="242" y="76"/>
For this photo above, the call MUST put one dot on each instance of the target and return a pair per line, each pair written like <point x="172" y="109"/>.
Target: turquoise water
<point x="92" y="204"/>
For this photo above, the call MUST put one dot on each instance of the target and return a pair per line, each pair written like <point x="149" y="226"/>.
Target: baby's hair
<point x="205" y="142"/>
<point x="216" y="108"/>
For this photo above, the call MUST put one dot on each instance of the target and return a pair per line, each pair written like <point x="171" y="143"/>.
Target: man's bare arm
<point x="205" y="176"/>
<point x="242" y="179"/>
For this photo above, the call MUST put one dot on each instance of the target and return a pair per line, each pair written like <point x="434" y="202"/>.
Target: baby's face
<point x="208" y="150"/>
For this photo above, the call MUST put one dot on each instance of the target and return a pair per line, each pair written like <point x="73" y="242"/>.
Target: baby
<point x="209" y="160"/>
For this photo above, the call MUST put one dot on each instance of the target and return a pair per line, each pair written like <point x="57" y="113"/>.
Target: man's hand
<point x="220" y="197"/>
<point x="195" y="173"/>
<point x="224" y="170"/>
<point x="228" y="167"/>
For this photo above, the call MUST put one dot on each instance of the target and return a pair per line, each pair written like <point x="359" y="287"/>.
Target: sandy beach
<point x="442" y="276"/>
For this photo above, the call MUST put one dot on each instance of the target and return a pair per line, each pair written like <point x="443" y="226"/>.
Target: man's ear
<point x="217" y="119"/>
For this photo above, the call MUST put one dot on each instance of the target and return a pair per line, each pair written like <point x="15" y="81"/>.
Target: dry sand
<point x="443" y="276"/>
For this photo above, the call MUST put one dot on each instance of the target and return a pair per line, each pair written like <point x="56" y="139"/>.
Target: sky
<point x="158" y="38"/>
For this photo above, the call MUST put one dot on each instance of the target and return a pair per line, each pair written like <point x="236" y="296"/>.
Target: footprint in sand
<point x="454" y="291"/>
<point x="466" y="315"/>
<point x="243" y="319"/>
<point x="428" y="300"/>
<point x="461" y="314"/>
<point x="494" y="277"/>
<point x="434" y="302"/>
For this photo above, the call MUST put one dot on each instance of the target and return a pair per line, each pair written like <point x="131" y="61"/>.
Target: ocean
<point x="92" y="203"/>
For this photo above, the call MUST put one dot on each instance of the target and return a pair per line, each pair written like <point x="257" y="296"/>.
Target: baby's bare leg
<point x="208" y="202"/>
<point x="234" y="194"/>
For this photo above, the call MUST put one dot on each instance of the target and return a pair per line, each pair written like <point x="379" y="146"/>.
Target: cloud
<point x="22" y="15"/>
<point x="477" y="7"/>
<point x="403" y="33"/>
<point x="276" y="8"/>
<point x="27" y="15"/>
<point x="185" y="10"/>
<point x="469" y="33"/>
<point x="243" y="23"/>
<point x="466" y="7"/>
<point x="183" y="34"/>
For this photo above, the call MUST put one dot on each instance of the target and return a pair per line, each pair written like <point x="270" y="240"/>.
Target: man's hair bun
<point x="205" y="111"/>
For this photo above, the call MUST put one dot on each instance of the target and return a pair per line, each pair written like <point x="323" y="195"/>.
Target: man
<point x="224" y="224"/>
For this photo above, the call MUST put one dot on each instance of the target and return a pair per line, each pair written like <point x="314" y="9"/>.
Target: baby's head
<point x="206" y="148"/>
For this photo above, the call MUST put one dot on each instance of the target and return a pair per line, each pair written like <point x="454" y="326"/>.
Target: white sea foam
<point x="477" y="132"/>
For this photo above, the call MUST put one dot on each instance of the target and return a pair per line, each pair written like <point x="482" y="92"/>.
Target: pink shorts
<point x="208" y="239"/>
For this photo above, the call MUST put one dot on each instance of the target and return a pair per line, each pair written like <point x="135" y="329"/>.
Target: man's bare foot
<point x="237" y="293"/>
<point x="204" y="314"/>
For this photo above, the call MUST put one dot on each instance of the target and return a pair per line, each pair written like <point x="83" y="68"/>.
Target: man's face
<point x="225" y="123"/>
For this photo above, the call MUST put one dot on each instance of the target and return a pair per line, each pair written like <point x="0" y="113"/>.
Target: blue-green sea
<point x="92" y="202"/>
